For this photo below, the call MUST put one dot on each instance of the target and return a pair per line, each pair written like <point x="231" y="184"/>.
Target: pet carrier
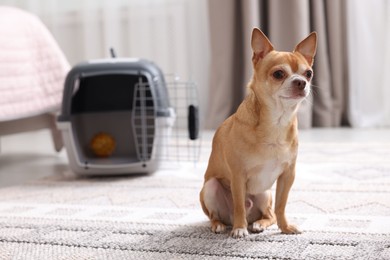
<point x="118" y="117"/>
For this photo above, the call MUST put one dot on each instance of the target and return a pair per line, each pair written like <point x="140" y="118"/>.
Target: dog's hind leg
<point x="217" y="204"/>
<point x="263" y="202"/>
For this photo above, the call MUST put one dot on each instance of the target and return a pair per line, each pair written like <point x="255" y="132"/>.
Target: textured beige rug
<point x="341" y="201"/>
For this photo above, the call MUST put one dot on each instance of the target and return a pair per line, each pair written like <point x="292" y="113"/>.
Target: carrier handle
<point x="113" y="53"/>
<point x="193" y="122"/>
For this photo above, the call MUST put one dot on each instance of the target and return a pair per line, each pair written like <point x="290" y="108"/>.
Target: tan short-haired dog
<point x="258" y="144"/>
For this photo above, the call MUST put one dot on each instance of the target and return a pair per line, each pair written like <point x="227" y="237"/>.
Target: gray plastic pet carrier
<point x="121" y="116"/>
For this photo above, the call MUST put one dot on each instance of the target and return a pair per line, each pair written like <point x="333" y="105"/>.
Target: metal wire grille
<point x="180" y="147"/>
<point x="168" y="137"/>
<point x="144" y="115"/>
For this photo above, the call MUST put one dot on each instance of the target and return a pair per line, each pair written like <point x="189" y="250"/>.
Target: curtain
<point x="286" y="23"/>
<point x="369" y="62"/>
<point x="208" y="41"/>
<point x="171" y="33"/>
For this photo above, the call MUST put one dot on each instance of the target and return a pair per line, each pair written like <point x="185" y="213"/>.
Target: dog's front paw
<point x="239" y="232"/>
<point x="290" y="229"/>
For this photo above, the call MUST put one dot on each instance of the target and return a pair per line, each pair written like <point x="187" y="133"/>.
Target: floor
<point x="28" y="156"/>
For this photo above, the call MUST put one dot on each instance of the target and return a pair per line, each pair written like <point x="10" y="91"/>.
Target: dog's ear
<point x="261" y="46"/>
<point x="308" y="47"/>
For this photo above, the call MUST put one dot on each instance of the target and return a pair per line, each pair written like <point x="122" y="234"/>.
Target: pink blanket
<point x="32" y="66"/>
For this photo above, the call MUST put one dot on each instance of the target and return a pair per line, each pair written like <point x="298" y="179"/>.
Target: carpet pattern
<point x="340" y="200"/>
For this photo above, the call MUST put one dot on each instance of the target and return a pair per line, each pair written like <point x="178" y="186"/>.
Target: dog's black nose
<point x="299" y="83"/>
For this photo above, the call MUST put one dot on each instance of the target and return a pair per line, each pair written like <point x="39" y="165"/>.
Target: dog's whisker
<point x="309" y="98"/>
<point x="313" y="93"/>
<point x="315" y="86"/>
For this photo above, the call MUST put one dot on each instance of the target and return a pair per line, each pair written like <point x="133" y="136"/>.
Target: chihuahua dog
<point x="257" y="145"/>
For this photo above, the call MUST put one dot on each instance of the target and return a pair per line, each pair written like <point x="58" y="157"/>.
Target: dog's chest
<point x="263" y="175"/>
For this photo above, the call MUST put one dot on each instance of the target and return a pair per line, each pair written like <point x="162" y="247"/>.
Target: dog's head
<point x="282" y="76"/>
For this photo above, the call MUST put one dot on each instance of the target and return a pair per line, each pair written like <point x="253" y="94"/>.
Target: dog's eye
<point x="309" y="74"/>
<point x="279" y="74"/>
